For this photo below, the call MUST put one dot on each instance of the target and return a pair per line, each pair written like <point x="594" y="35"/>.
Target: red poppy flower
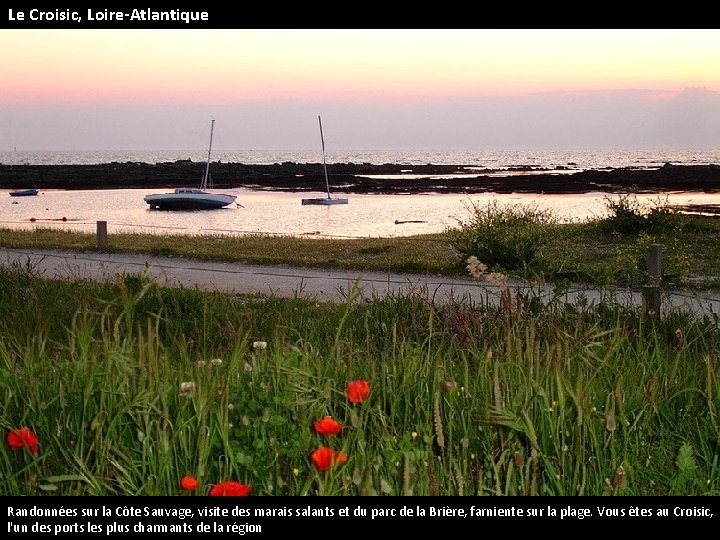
<point x="22" y="437"/>
<point x="358" y="391"/>
<point x="230" y="488"/>
<point x="189" y="483"/>
<point x="325" y="457"/>
<point x="328" y="426"/>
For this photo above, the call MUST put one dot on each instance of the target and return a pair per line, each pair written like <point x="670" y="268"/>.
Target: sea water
<point x="549" y="159"/>
<point x="365" y="215"/>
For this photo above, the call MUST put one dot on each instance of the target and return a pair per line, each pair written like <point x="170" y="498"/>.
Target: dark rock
<point x="355" y="178"/>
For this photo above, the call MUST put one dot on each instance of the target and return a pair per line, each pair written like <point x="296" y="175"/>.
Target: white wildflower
<point x="259" y="344"/>
<point x="497" y="278"/>
<point x="187" y="389"/>
<point x="216" y="361"/>
<point x="474" y="267"/>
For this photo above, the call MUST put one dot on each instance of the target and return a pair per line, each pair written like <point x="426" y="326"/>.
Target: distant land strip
<point x="357" y="178"/>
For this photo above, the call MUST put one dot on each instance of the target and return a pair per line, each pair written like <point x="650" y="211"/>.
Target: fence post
<point x="655" y="264"/>
<point x="102" y="235"/>
<point x="651" y="292"/>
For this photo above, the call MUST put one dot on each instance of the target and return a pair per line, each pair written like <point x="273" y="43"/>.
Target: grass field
<point x="127" y="388"/>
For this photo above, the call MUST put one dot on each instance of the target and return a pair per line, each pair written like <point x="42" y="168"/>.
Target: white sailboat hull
<point x="192" y="198"/>
<point x="189" y="199"/>
<point x="325" y="201"/>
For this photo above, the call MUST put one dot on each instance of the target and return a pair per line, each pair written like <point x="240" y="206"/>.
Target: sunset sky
<point x="147" y="89"/>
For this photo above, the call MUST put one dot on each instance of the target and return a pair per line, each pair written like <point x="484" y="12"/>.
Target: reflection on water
<point x="276" y="213"/>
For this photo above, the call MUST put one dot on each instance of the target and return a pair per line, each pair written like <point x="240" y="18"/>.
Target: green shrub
<point x="626" y="216"/>
<point x="504" y="237"/>
<point x="664" y="220"/>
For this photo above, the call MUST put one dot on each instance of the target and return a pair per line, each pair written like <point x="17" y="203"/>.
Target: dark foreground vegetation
<point x="127" y="388"/>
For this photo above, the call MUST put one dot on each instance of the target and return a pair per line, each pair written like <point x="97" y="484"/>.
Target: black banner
<point x="192" y="515"/>
<point x="290" y="15"/>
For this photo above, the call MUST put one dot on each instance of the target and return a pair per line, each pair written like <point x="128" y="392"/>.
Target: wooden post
<point x="651" y="292"/>
<point x="102" y="235"/>
<point x="651" y="300"/>
<point x="655" y="264"/>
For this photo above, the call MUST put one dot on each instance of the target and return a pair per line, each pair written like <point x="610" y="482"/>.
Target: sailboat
<point x="325" y="200"/>
<point x="192" y="198"/>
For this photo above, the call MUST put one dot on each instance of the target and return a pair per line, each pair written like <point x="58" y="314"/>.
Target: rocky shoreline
<point x="357" y="178"/>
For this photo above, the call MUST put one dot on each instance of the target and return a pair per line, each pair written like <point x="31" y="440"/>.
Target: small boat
<point x="189" y="199"/>
<point x="324" y="200"/>
<point x="192" y="198"/>
<point x="24" y="192"/>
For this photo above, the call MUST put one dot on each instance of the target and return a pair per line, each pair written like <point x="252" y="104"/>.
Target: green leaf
<point x="66" y="478"/>
<point x="685" y="460"/>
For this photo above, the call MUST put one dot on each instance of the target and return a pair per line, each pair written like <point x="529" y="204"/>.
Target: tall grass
<point x="524" y="398"/>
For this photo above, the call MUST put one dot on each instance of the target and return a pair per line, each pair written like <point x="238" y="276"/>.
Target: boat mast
<point x="322" y="140"/>
<point x="207" y="165"/>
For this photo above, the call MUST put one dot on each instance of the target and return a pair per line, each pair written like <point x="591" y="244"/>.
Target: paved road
<point x="323" y="285"/>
